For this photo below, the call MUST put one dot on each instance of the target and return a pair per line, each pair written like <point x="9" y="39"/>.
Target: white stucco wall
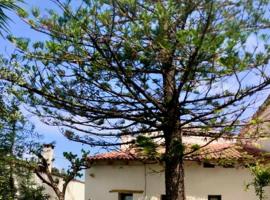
<point x="75" y="191"/>
<point x="200" y="182"/>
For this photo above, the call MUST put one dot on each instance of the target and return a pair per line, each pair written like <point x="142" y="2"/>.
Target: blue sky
<point x="49" y="133"/>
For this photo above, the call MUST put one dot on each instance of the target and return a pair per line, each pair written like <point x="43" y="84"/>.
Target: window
<point x="214" y="197"/>
<point x="208" y="165"/>
<point x="125" y="196"/>
<point x="163" y="197"/>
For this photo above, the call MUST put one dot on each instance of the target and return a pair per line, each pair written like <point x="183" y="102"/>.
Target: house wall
<point x="75" y="191"/>
<point x="200" y="182"/>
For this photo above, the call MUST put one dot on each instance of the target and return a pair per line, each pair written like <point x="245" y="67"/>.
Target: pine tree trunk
<point x="174" y="175"/>
<point x="174" y="167"/>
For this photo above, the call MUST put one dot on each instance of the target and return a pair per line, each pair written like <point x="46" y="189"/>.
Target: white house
<point x="125" y="175"/>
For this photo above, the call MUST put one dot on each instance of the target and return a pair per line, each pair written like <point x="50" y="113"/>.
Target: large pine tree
<point x="113" y="68"/>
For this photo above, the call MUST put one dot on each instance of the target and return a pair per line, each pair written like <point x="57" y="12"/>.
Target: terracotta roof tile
<point x="115" y="155"/>
<point x="216" y="152"/>
<point x="212" y="152"/>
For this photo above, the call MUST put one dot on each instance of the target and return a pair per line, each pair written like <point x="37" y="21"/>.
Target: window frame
<point x="219" y="197"/>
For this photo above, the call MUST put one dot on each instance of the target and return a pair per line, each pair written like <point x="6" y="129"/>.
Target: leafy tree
<point x="59" y="181"/>
<point x="261" y="179"/>
<point x="118" y="68"/>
